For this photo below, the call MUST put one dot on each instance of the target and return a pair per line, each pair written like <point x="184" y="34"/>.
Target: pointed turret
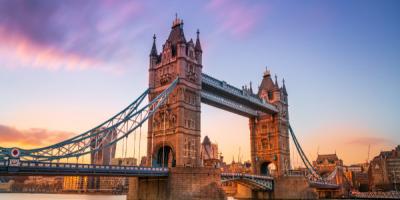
<point x="191" y="42"/>
<point x="198" y="45"/>
<point x="266" y="84"/>
<point x="276" y="82"/>
<point x="284" y="87"/>
<point x="153" y="52"/>
<point x="176" y="35"/>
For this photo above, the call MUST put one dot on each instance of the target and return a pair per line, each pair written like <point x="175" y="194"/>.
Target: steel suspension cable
<point x="163" y="159"/>
<point x="83" y="144"/>
<point x="303" y="156"/>
<point x="140" y="141"/>
<point x="134" y="145"/>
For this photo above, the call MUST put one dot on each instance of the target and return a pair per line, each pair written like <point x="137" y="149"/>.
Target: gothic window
<point x="269" y="95"/>
<point x="191" y="53"/>
<point x="185" y="148"/>
<point x="189" y="148"/>
<point x="264" y="143"/>
<point x="173" y="50"/>
<point x="192" y="148"/>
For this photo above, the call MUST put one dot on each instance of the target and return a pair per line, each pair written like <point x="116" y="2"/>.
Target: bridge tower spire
<point x="269" y="132"/>
<point x="179" y="143"/>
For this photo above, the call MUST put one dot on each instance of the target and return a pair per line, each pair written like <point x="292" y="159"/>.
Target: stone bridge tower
<point x="269" y="134"/>
<point x="174" y="131"/>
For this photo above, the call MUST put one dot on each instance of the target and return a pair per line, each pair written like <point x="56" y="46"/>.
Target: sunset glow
<point x="65" y="68"/>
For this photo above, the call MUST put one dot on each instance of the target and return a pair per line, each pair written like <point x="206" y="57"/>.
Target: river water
<point x="28" y="196"/>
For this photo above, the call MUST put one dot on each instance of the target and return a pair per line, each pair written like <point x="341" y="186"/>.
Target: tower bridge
<point x="177" y="87"/>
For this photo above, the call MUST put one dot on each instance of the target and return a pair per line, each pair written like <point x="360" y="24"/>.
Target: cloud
<point x="235" y="17"/>
<point x="35" y="137"/>
<point x="363" y="141"/>
<point x="71" y="35"/>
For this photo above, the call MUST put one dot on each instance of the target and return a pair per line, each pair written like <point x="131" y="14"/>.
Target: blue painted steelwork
<point x="315" y="180"/>
<point x="122" y="124"/>
<point x="68" y="169"/>
<point x="227" y="104"/>
<point x="227" y="91"/>
<point x="265" y="183"/>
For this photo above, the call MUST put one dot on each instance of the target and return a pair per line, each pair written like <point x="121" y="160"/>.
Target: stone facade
<point x="269" y="135"/>
<point x="174" y="130"/>
<point x="326" y="164"/>
<point x="384" y="171"/>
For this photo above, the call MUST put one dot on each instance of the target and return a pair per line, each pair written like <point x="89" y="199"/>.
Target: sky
<point x="67" y="66"/>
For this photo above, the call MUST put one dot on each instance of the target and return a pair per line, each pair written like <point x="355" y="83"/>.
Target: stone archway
<point x="267" y="168"/>
<point x="165" y="157"/>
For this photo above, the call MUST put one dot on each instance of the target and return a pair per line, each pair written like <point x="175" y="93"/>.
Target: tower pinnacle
<point x="197" y="47"/>
<point x="154" y="47"/>
<point x="284" y="87"/>
<point x="267" y="72"/>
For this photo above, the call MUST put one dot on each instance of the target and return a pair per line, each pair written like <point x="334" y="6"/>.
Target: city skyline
<point x="63" y="71"/>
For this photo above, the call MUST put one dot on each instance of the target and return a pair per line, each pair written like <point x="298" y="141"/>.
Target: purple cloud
<point x="235" y="17"/>
<point x="99" y="30"/>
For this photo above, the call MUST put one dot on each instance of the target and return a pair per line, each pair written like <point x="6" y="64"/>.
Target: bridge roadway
<point x="28" y="168"/>
<point x="225" y="96"/>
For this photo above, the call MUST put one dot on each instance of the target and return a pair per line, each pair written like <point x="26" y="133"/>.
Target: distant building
<point x="6" y="186"/>
<point x="384" y="171"/>
<point x="237" y="167"/>
<point x="143" y="161"/>
<point x="209" y="153"/>
<point x="43" y="184"/>
<point x="106" y="154"/>
<point x="109" y="184"/>
<point x="124" y="161"/>
<point x="326" y="163"/>
<point x="330" y="166"/>
<point x="102" y="156"/>
<point x="357" y="174"/>
<point x="75" y="184"/>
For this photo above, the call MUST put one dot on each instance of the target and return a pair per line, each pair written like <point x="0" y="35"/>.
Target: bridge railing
<point x="261" y="182"/>
<point x="89" y="166"/>
<point x="83" y="167"/>
<point x="241" y="175"/>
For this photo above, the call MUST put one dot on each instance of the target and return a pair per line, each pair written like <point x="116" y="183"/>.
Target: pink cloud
<point x="17" y="51"/>
<point x="235" y="17"/>
<point x="35" y="137"/>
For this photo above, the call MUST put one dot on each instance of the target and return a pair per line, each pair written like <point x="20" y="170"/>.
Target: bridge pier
<point x="293" y="187"/>
<point x="245" y="192"/>
<point x="181" y="184"/>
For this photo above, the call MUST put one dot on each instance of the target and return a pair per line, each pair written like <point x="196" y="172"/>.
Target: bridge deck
<point x="67" y="169"/>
